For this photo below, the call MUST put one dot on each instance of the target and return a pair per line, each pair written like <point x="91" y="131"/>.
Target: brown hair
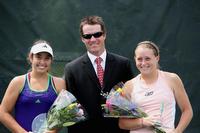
<point x="92" y="20"/>
<point x="150" y="45"/>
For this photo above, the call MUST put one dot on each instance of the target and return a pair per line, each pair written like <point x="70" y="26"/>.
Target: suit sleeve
<point x="68" y="77"/>
<point x="129" y="71"/>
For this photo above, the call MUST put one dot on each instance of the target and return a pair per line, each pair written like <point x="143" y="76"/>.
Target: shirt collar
<point x="93" y="57"/>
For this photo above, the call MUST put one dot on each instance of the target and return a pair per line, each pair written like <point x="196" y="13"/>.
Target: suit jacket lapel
<point x="88" y="68"/>
<point x="108" y="69"/>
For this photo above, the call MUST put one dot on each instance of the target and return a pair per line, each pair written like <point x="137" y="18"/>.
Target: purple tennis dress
<point x="32" y="102"/>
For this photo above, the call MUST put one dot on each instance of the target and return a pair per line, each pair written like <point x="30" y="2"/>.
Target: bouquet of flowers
<point x="65" y="111"/>
<point x="119" y="106"/>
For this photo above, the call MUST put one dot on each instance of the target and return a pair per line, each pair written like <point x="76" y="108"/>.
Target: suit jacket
<point x="82" y="82"/>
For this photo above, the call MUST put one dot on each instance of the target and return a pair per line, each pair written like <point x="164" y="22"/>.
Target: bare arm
<point x="124" y="123"/>
<point x="182" y="101"/>
<point x="8" y="104"/>
<point x="59" y="83"/>
<point x="134" y="123"/>
<point x="131" y="124"/>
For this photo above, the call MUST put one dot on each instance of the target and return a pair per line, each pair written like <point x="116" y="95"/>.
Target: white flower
<point x="80" y="112"/>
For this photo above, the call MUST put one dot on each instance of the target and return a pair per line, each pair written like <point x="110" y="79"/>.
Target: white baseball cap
<point x="41" y="47"/>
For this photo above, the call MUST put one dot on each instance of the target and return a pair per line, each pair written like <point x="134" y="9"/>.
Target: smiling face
<point x="95" y="45"/>
<point x="41" y="62"/>
<point x="146" y="60"/>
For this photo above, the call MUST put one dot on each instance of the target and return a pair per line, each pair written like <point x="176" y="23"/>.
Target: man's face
<point x="94" y="39"/>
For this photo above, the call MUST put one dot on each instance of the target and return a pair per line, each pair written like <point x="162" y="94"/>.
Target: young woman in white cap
<point x="33" y="93"/>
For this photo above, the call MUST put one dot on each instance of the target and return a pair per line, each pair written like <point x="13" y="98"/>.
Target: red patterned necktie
<point x="100" y="71"/>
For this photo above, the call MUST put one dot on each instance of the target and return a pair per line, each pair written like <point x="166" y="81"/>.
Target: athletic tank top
<point x="32" y="102"/>
<point x="157" y="101"/>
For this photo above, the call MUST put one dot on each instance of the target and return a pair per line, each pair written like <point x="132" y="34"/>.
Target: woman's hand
<point x="150" y="121"/>
<point x="50" y="131"/>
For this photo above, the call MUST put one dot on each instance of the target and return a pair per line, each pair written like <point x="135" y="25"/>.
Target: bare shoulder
<point x="173" y="80"/>
<point x="12" y="92"/>
<point x="59" y="83"/>
<point x="16" y="84"/>
<point x="128" y="88"/>
<point x="171" y="77"/>
<point x="18" y="80"/>
<point x="128" y="84"/>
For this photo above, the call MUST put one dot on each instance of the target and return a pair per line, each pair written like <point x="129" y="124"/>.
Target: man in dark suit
<point x="81" y="76"/>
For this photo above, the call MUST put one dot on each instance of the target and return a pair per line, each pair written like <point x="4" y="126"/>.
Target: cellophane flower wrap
<point x="118" y="106"/>
<point x="65" y="111"/>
